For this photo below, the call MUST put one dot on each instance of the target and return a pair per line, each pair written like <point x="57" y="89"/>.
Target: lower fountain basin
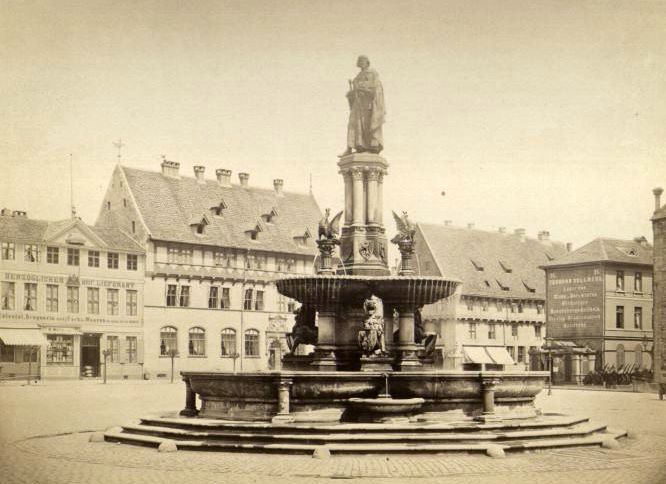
<point x="384" y="405"/>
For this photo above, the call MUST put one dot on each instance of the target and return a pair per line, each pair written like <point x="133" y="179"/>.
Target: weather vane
<point x="119" y="145"/>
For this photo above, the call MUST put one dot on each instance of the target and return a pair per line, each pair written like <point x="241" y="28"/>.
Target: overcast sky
<point x="536" y="114"/>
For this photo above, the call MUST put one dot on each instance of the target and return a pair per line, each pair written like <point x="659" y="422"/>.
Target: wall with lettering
<point x="575" y="302"/>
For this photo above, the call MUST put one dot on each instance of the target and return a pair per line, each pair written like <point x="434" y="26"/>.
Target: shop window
<point x="113" y="345"/>
<point x="131" y="302"/>
<point x="619" y="281"/>
<point x="131" y="348"/>
<point x="52" y="255"/>
<point x="638" y="318"/>
<point x="213" y="297"/>
<point x="197" y="342"/>
<point x="259" y="301"/>
<point x="30" y="354"/>
<point x="112" y="302"/>
<point x="52" y="298"/>
<point x="228" y="347"/>
<point x="8" y="251"/>
<point x="112" y="260"/>
<point x="619" y="317"/>
<point x="73" y="257"/>
<point x="619" y="356"/>
<point x="638" y="282"/>
<point x="30" y="296"/>
<point x="132" y="262"/>
<point x="472" y="330"/>
<point x="251" y="342"/>
<point x="72" y="299"/>
<point x="247" y="302"/>
<point x="59" y="349"/>
<point x="8" y="292"/>
<point x="521" y="354"/>
<point x="6" y="353"/>
<point x="93" y="258"/>
<point x="93" y="300"/>
<point x="225" y="300"/>
<point x="168" y="340"/>
<point x="31" y="253"/>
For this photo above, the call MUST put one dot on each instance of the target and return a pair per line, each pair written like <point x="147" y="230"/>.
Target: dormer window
<point x="270" y="216"/>
<point x="502" y="286"/>
<point x="218" y="209"/>
<point x="253" y="234"/>
<point x="529" y="287"/>
<point x="199" y="224"/>
<point x="303" y="239"/>
<point x="505" y="266"/>
<point x="477" y="265"/>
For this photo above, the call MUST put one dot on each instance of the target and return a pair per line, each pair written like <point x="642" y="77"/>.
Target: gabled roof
<point x="462" y="253"/>
<point x="167" y="205"/>
<point x="606" y="250"/>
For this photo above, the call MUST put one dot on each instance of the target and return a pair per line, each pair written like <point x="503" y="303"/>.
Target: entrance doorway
<point x="274" y="355"/>
<point x="90" y="355"/>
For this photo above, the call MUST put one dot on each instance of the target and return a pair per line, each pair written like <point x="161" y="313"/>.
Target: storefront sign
<point x="575" y="298"/>
<point x="55" y="279"/>
<point x="62" y="319"/>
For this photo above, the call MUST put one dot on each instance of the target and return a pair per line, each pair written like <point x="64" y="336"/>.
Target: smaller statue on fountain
<point x="406" y="229"/>
<point x="329" y="230"/>
<point x="371" y="336"/>
<point x="304" y="330"/>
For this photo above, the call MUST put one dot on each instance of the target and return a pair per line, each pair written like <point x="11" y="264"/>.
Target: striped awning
<point x="500" y="355"/>
<point x="476" y="354"/>
<point x="22" y="337"/>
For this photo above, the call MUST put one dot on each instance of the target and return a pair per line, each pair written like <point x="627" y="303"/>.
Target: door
<point x="274" y="355"/>
<point x="90" y="355"/>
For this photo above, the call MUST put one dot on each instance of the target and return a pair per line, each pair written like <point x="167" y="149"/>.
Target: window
<point x="470" y="304"/>
<point x="8" y="290"/>
<point x="172" y="254"/>
<point x="520" y="307"/>
<point x="291" y="263"/>
<point x="492" y="333"/>
<point x="247" y="302"/>
<point x="537" y="331"/>
<point x="638" y="318"/>
<point x="251" y="342"/>
<point x="172" y="290"/>
<point x="59" y="349"/>
<point x="52" y="298"/>
<point x="619" y="316"/>
<point x="500" y="305"/>
<point x="539" y="308"/>
<point x="52" y="255"/>
<point x="31" y="253"/>
<point x="484" y="305"/>
<point x="279" y="264"/>
<point x="132" y="262"/>
<point x="521" y="354"/>
<point x="213" y="294"/>
<point x="30" y="354"/>
<point x="125" y="202"/>
<point x="113" y="345"/>
<point x="638" y="282"/>
<point x="184" y="296"/>
<point x="225" y="300"/>
<point x="30" y="296"/>
<point x="93" y="300"/>
<point x="514" y="330"/>
<point x="179" y="256"/>
<point x="619" y="281"/>
<point x="259" y="301"/>
<point x="261" y="261"/>
<point x="281" y="303"/>
<point x="197" y="345"/>
<point x="513" y="307"/>
<point x="168" y="340"/>
<point x="131" y="348"/>
<point x="224" y="259"/>
<point x="619" y="356"/>
<point x="72" y="299"/>
<point x="477" y="265"/>
<point x="512" y="352"/>
<point x="228" y="342"/>
<point x="73" y="257"/>
<point x="133" y="227"/>
<point x="131" y="298"/>
<point x="8" y="251"/>
<point x="291" y="305"/>
<point x="112" y="259"/>
<point x="6" y="353"/>
<point x="93" y="258"/>
<point x="472" y="330"/>
<point x="112" y="302"/>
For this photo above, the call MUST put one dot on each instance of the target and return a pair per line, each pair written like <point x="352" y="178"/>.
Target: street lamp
<point x="235" y="356"/>
<point x="172" y="353"/>
<point x="106" y="354"/>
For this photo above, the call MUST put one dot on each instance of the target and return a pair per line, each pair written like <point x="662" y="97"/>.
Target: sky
<point x="543" y="115"/>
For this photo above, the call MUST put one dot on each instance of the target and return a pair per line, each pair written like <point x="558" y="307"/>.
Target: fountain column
<point x="358" y="204"/>
<point x="373" y="178"/>
<point x="407" y="359"/>
<point x="324" y="358"/>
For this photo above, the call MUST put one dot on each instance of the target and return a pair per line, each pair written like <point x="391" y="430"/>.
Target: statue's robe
<point x="364" y="131"/>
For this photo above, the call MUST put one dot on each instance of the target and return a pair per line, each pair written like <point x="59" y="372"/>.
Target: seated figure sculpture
<point x="371" y="336"/>
<point x="304" y="330"/>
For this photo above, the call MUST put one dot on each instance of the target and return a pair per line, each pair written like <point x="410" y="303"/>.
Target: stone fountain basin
<point x="385" y="405"/>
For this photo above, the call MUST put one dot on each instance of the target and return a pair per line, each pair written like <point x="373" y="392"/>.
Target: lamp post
<point x="172" y="354"/>
<point x="235" y="356"/>
<point x="550" y="367"/>
<point x="106" y="354"/>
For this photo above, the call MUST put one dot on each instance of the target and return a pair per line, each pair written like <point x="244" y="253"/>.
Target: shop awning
<point x="476" y="354"/>
<point x="22" y="337"/>
<point x="500" y="355"/>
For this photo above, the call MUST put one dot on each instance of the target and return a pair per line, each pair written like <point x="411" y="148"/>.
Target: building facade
<point x="69" y="292"/>
<point x="213" y="251"/>
<point x="496" y="317"/>
<point x="659" y="231"/>
<point x="600" y="297"/>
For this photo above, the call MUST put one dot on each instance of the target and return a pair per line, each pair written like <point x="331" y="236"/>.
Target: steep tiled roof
<point x="169" y="207"/>
<point x="487" y="262"/>
<point x="607" y="250"/>
<point x="117" y="239"/>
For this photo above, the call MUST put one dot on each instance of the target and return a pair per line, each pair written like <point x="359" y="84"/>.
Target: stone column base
<point x="376" y="363"/>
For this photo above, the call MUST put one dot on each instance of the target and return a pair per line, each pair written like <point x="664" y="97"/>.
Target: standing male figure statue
<point x="366" y="116"/>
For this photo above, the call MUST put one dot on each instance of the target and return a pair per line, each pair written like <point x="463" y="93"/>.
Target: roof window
<point x="505" y="265"/>
<point x="477" y="265"/>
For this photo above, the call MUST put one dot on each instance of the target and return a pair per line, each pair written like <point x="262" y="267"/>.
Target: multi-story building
<point x="496" y="317"/>
<point x="213" y="251"/>
<point x="600" y="297"/>
<point x="659" y="232"/>
<point x="68" y="293"/>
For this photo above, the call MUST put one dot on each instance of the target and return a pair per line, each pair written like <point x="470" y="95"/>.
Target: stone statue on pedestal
<point x="366" y="116"/>
<point x="371" y="336"/>
<point x="304" y="330"/>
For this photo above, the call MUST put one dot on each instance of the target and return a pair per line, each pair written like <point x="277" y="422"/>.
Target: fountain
<point x="343" y="386"/>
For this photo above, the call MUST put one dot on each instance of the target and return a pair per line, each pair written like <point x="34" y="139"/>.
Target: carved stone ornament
<point x="365" y="249"/>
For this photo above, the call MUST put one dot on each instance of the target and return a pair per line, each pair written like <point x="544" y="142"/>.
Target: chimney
<point x="170" y="168"/>
<point x="502" y="230"/>
<point x="569" y="246"/>
<point x="544" y="235"/>
<point x="199" y="173"/>
<point x="223" y="177"/>
<point x="244" y="179"/>
<point x="448" y="223"/>
<point x="470" y="226"/>
<point x="520" y="233"/>
<point x="5" y="211"/>
<point x="278" y="184"/>
<point x="657" y="197"/>
<point x="19" y="213"/>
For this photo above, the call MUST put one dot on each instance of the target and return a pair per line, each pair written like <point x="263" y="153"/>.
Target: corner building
<point x="213" y="251"/>
<point x="68" y="293"/>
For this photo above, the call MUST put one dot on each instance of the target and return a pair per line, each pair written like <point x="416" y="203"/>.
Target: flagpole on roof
<point x="71" y="186"/>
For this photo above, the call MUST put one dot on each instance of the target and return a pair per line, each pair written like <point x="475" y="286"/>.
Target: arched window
<point x="228" y="342"/>
<point x="619" y="356"/>
<point x="251" y="342"/>
<point x="197" y="345"/>
<point x="168" y="340"/>
<point x="638" y="355"/>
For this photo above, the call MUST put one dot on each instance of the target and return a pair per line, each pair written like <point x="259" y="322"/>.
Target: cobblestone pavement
<point x="32" y="452"/>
